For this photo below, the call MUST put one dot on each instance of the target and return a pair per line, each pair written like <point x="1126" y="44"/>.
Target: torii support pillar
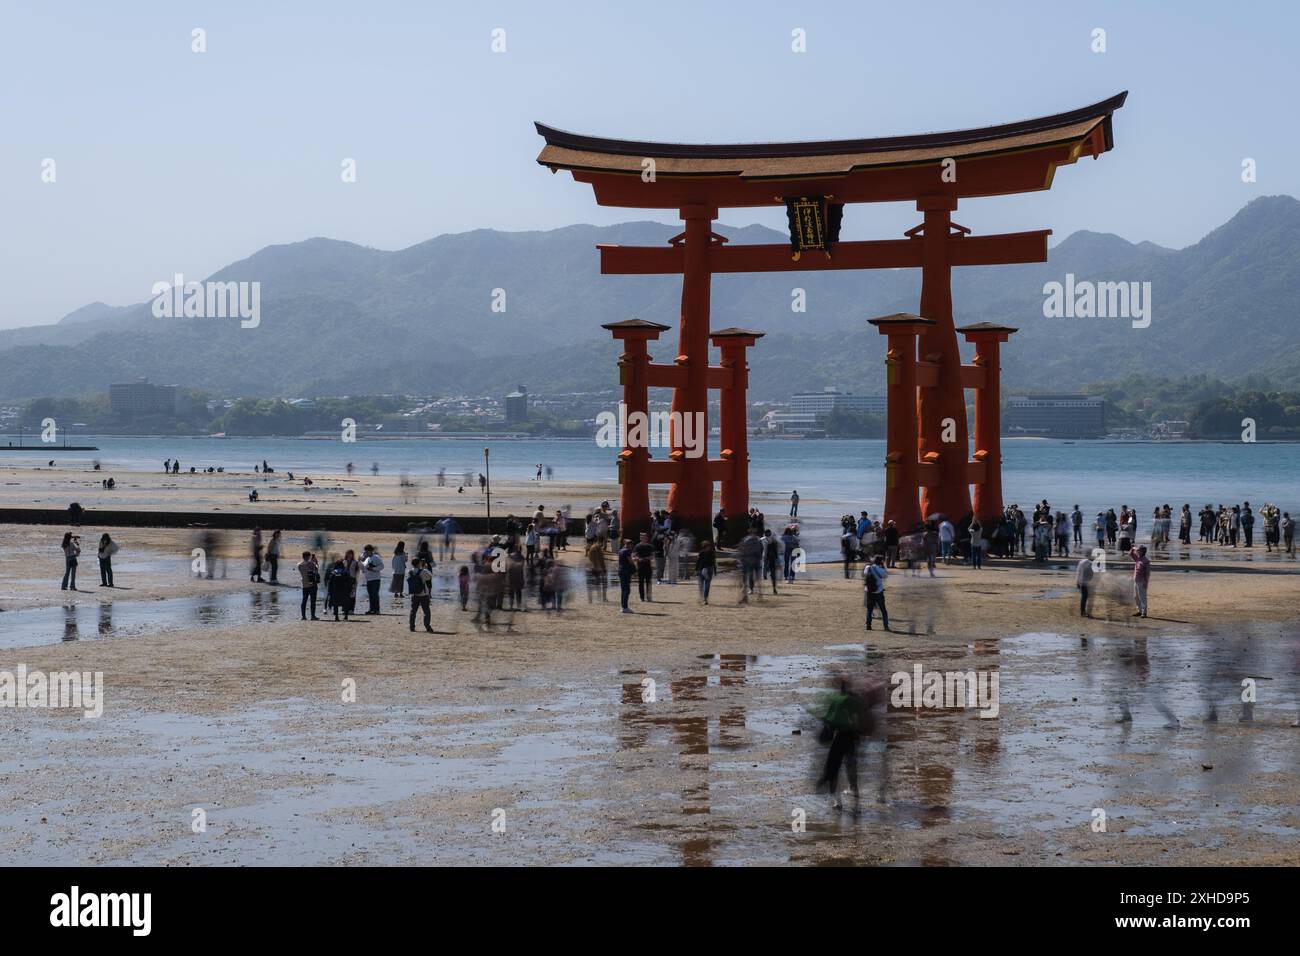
<point x="902" y="467"/>
<point x="941" y="407"/>
<point x="987" y="466"/>
<point x="634" y="462"/>
<point x="691" y="495"/>
<point x="733" y="383"/>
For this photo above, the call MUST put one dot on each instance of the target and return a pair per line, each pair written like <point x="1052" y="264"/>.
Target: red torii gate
<point x="636" y="470"/>
<point x="934" y="170"/>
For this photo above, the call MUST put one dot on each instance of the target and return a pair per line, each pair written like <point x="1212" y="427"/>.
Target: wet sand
<point x="218" y="697"/>
<point x="359" y="493"/>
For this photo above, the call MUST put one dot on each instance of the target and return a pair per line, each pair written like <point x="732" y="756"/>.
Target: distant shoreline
<point x="547" y="438"/>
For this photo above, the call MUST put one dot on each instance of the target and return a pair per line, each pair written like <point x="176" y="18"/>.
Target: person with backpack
<point x="873" y="594"/>
<point x="843" y="721"/>
<point x="419" y="582"/>
<point x="309" y="571"/>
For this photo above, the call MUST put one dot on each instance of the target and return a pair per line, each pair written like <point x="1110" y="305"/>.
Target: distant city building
<point x="517" y="406"/>
<point x="792" y="423"/>
<point x="134" y="399"/>
<point x="830" y="400"/>
<point x="1057" y="416"/>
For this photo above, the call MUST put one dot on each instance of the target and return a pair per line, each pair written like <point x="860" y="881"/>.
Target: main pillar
<point x="942" y="408"/>
<point x="691" y="497"/>
<point x="734" y="425"/>
<point x="987" y="339"/>
<point x="902" y="469"/>
<point x="633" y="365"/>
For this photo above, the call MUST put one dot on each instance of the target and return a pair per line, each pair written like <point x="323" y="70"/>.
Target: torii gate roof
<point x="990" y="160"/>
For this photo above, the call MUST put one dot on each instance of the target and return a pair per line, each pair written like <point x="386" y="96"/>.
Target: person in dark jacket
<point x="339" y="585"/>
<point x="706" y="566"/>
<point x="419" y="581"/>
<point x="719" y="526"/>
<point x="107" y="548"/>
<point x="626" y="568"/>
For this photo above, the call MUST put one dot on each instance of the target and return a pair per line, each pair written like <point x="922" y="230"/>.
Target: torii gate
<point x="934" y="170"/>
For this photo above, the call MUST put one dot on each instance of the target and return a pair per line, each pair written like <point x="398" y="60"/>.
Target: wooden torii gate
<point x="934" y="170"/>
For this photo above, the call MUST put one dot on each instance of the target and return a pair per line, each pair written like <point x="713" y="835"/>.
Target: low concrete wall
<point x="267" y="520"/>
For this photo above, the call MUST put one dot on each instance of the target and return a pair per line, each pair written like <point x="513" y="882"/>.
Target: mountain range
<point x="339" y="318"/>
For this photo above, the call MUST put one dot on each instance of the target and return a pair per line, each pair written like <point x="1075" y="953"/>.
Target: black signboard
<point x="814" y="224"/>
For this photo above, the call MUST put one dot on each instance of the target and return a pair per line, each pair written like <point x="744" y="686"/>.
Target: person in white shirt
<point x="873" y="590"/>
<point x="947" y="535"/>
<point x="372" y="566"/>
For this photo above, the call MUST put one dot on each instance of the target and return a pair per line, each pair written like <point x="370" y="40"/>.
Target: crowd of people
<point x="525" y="560"/>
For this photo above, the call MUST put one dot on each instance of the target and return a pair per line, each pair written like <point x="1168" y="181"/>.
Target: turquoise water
<point x="848" y="474"/>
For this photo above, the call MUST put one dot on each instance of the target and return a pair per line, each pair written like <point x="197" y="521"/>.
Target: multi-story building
<point x="830" y="400"/>
<point x="517" y="406"/>
<point x="135" y="399"/>
<point x="1056" y="416"/>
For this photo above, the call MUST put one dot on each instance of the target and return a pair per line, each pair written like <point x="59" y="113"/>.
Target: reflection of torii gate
<point x="934" y="170"/>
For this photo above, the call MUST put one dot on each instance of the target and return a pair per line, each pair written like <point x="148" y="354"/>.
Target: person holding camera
<point x="71" y="548"/>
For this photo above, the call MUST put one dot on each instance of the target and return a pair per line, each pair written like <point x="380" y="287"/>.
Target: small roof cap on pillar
<point x="635" y="324"/>
<point x="898" y="318"/>
<point x="736" y="333"/>
<point x="986" y="327"/>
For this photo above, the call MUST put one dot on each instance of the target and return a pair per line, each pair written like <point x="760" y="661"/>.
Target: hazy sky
<point x="171" y="161"/>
